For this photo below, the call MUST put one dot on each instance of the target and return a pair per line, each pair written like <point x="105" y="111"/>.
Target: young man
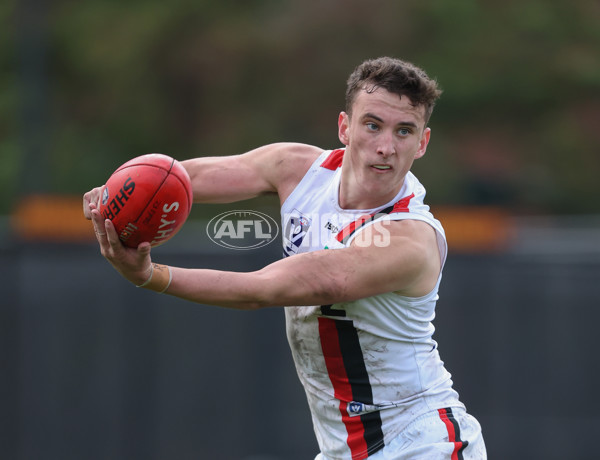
<point x="361" y="278"/>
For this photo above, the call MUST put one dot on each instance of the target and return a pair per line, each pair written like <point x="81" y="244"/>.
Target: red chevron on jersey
<point x="402" y="205"/>
<point x="334" y="160"/>
<point x="349" y="230"/>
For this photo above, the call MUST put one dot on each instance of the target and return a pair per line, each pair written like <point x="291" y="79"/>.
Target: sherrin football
<point x="148" y="199"/>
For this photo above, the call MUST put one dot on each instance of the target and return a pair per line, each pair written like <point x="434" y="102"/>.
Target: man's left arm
<point x="403" y="257"/>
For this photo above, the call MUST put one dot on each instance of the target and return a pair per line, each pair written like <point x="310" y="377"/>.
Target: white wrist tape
<point x="170" y="279"/>
<point x="145" y="283"/>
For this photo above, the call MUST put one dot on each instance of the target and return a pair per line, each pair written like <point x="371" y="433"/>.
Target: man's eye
<point x="372" y="126"/>
<point x="404" y="131"/>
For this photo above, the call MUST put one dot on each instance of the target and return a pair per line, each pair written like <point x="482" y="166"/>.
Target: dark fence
<point x="93" y="368"/>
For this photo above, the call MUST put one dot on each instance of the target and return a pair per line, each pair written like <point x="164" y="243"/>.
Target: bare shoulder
<point x="417" y="230"/>
<point x="398" y="233"/>
<point x="272" y="168"/>
<point x="407" y="248"/>
<point x="289" y="156"/>
<point x="420" y="240"/>
<point x="285" y="164"/>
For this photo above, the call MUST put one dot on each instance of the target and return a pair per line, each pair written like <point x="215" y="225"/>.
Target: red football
<point x="147" y="199"/>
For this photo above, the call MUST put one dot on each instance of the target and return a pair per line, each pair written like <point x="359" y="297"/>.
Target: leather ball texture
<point x="148" y="199"/>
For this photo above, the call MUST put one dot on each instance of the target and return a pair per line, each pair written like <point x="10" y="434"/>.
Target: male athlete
<point x="360" y="278"/>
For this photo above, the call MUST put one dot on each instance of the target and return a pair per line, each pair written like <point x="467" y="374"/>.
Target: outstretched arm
<point x="408" y="262"/>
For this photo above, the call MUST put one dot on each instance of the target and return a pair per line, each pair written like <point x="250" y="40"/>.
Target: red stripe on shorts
<point x="453" y="433"/>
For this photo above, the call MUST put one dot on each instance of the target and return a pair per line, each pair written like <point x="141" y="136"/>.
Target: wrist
<point x="159" y="279"/>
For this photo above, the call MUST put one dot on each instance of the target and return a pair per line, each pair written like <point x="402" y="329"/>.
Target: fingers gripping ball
<point x="147" y="199"/>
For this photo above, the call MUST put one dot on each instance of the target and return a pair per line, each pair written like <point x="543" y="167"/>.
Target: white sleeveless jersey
<point x="370" y="366"/>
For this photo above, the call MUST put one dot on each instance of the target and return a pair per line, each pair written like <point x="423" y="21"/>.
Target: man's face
<point x="384" y="135"/>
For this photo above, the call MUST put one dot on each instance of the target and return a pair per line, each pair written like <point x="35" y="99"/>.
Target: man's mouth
<point x="382" y="167"/>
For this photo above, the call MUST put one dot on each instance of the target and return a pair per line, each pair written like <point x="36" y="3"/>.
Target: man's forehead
<point x="372" y="99"/>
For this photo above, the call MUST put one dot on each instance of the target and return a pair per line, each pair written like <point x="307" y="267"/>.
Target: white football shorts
<point x="445" y="434"/>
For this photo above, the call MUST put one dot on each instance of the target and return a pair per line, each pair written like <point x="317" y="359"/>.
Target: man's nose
<point x="386" y="146"/>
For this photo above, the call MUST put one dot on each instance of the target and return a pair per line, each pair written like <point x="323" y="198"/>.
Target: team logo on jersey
<point x="355" y="408"/>
<point x="295" y="229"/>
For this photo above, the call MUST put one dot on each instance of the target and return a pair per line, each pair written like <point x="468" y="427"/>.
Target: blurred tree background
<point x="84" y="86"/>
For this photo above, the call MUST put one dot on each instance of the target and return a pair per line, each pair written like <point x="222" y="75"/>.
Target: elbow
<point x="254" y="305"/>
<point x="259" y="292"/>
<point x="269" y="290"/>
<point x="237" y="304"/>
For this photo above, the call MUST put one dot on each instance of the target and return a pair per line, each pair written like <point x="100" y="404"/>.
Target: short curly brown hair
<point x="396" y="76"/>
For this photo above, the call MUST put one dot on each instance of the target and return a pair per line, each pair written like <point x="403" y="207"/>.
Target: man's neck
<point x="355" y="198"/>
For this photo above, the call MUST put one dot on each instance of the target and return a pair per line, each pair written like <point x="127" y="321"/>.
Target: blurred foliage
<point x="84" y="86"/>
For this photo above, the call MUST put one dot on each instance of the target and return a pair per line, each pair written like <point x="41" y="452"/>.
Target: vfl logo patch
<point x="294" y="232"/>
<point x="355" y="408"/>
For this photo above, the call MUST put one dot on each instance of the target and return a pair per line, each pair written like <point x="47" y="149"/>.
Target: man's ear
<point x="343" y="125"/>
<point x="423" y="143"/>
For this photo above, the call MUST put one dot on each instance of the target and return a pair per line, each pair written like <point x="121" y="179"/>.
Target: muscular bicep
<point x="273" y="168"/>
<point x="409" y="248"/>
<point x="227" y="179"/>
<point x="404" y="259"/>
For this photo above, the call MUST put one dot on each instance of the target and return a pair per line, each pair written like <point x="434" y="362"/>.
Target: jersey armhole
<point x="303" y="184"/>
<point x="439" y="231"/>
<point x="440" y="238"/>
